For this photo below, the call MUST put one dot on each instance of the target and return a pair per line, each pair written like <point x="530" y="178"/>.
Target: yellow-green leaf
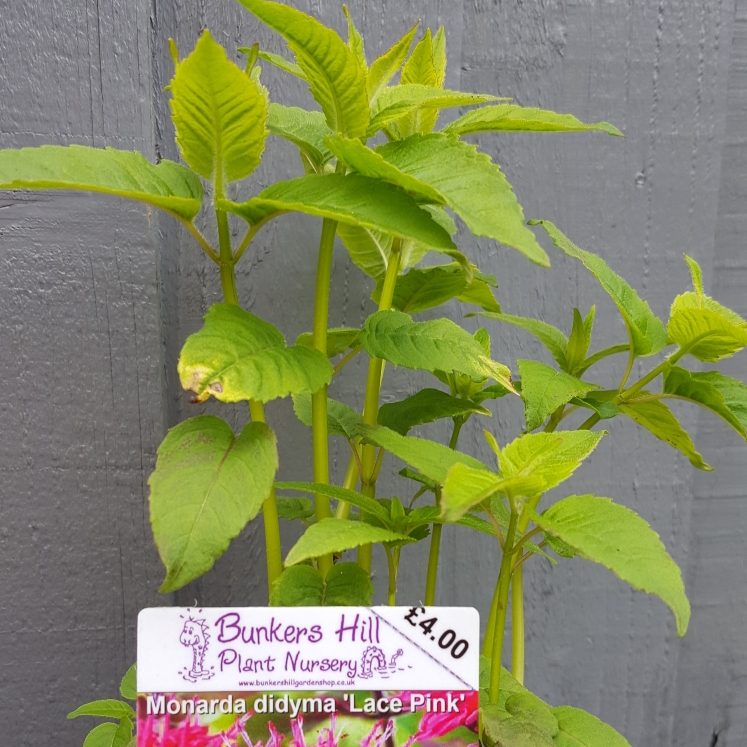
<point x="385" y="67"/>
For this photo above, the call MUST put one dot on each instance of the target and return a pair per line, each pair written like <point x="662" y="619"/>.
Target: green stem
<point x="517" y="624"/>
<point x="373" y="389"/>
<point x="273" y="549"/>
<point x="502" y="589"/>
<point x="590" y="422"/>
<point x="392" y="559"/>
<point x="430" y="581"/>
<point x="349" y="483"/>
<point x="651" y="375"/>
<point x="555" y="419"/>
<point x="319" y="434"/>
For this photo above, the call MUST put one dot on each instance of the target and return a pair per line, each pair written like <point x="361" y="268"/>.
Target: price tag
<point x="238" y="676"/>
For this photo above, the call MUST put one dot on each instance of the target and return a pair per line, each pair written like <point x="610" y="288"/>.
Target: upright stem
<point x="319" y="436"/>
<point x="349" y="483"/>
<point x="502" y="589"/>
<point x="432" y="577"/>
<point x="373" y="389"/>
<point x="517" y="624"/>
<point x="273" y="549"/>
<point x="392" y="559"/>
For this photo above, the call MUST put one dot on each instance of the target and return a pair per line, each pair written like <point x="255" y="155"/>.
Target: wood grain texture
<point x="98" y="298"/>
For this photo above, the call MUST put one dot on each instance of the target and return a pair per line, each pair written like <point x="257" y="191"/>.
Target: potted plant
<point x="381" y="174"/>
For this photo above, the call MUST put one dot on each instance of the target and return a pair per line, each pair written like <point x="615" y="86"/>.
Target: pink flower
<point x="435" y="724"/>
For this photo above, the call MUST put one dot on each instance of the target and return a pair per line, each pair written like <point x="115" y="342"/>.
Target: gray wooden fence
<point x="98" y="294"/>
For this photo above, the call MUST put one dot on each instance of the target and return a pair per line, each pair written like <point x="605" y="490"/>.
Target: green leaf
<point x="128" y="686"/>
<point x="578" y="728"/>
<point x="339" y="339"/>
<point x="102" y="736"/>
<point x="396" y="102"/>
<point x="104" y="708"/>
<point x="579" y="341"/>
<point x="369" y="505"/>
<point x="355" y="40"/>
<point x="429" y="287"/>
<point x="430" y="458"/>
<point x="123" y="735"/>
<point x="283" y="64"/>
<point x="494" y="391"/>
<point x="298" y="586"/>
<point x="470" y="184"/>
<point x="346" y="584"/>
<point x="513" y="118"/>
<point x="548" y="457"/>
<point x="623" y="542"/>
<point x="354" y="199"/>
<point x="342" y="420"/>
<point x="336" y="79"/>
<point x="237" y="356"/>
<point x="421" y="68"/>
<point x="657" y="418"/>
<point x="721" y="394"/>
<point x="551" y="337"/>
<point x="208" y="483"/>
<point x="306" y="130"/>
<point x="219" y="114"/>
<point x="601" y="402"/>
<point x="525" y="730"/>
<point x="335" y="536"/>
<point x="699" y="300"/>
<point x="294" y="508"/>
<point x="385" y="67"/>
<point x="707" y="335"/>
<point x="646" y="330"/>
<point x="544" y="389"/>
<point x="465" y="487"/>
<point x="427" y="406"/>
<point x="168" y="185"/>
<point x="438" y="345"/>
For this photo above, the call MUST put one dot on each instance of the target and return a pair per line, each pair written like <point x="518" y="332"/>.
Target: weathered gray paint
<point x="97" y="296"/>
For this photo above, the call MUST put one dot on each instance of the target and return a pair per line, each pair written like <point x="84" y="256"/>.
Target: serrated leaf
<point x="549" y="457"/>
<point x="429" y="287"/>
<point x="602" y="402"/>
<point x="219" y="114"/>
<point x="551" y="337"/>
<point x="339" y="339"/>
<point x="466" y="487"/>
<point x="102" y="735"/>
<point x="420" y="68"/>
<point x="699" y="300"/>
<point x="427" y="406"/>
<point x="354" y="199"/>
<point x="646" y="330"/>
<point x="385" y="67"/>
<point x="128" y="686"/>
<point x="579" y="341"/>
<point x="470" y="184"/>
<point x="577" y="728"/>
<point x="721" y="394"/>
<point x="207" y="485"/>
<point x="430" y="458"/>
<point x="285" y="65"/>
<point x="658" y="419"/>
<point x="369" y="505"/>
<point x="337" y="535"/>
<point x="104" y="708"/>
<point x="438" y="345"/>
<point x="306" y="130"/>
<point x="294" y="508"/>
<point x="355" y="40"/>
<point x="348" y="585"/>
<point x="394" y="103"/>
<point x="336" y="79"/>
<point x="544" y="389"/>
<point x="298" y="586"/>
<point x="513" y="118"/>
<point x="707" y="335"/>
<point x="342" y="420"/>
<point x="237" y="356"/>
<point x="623" y="542"/>
<point x="168" y="185"/>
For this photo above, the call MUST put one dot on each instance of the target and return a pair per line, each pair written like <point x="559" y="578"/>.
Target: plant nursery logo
<point x="195" y="635"/>
<point x="374" y="659"/>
